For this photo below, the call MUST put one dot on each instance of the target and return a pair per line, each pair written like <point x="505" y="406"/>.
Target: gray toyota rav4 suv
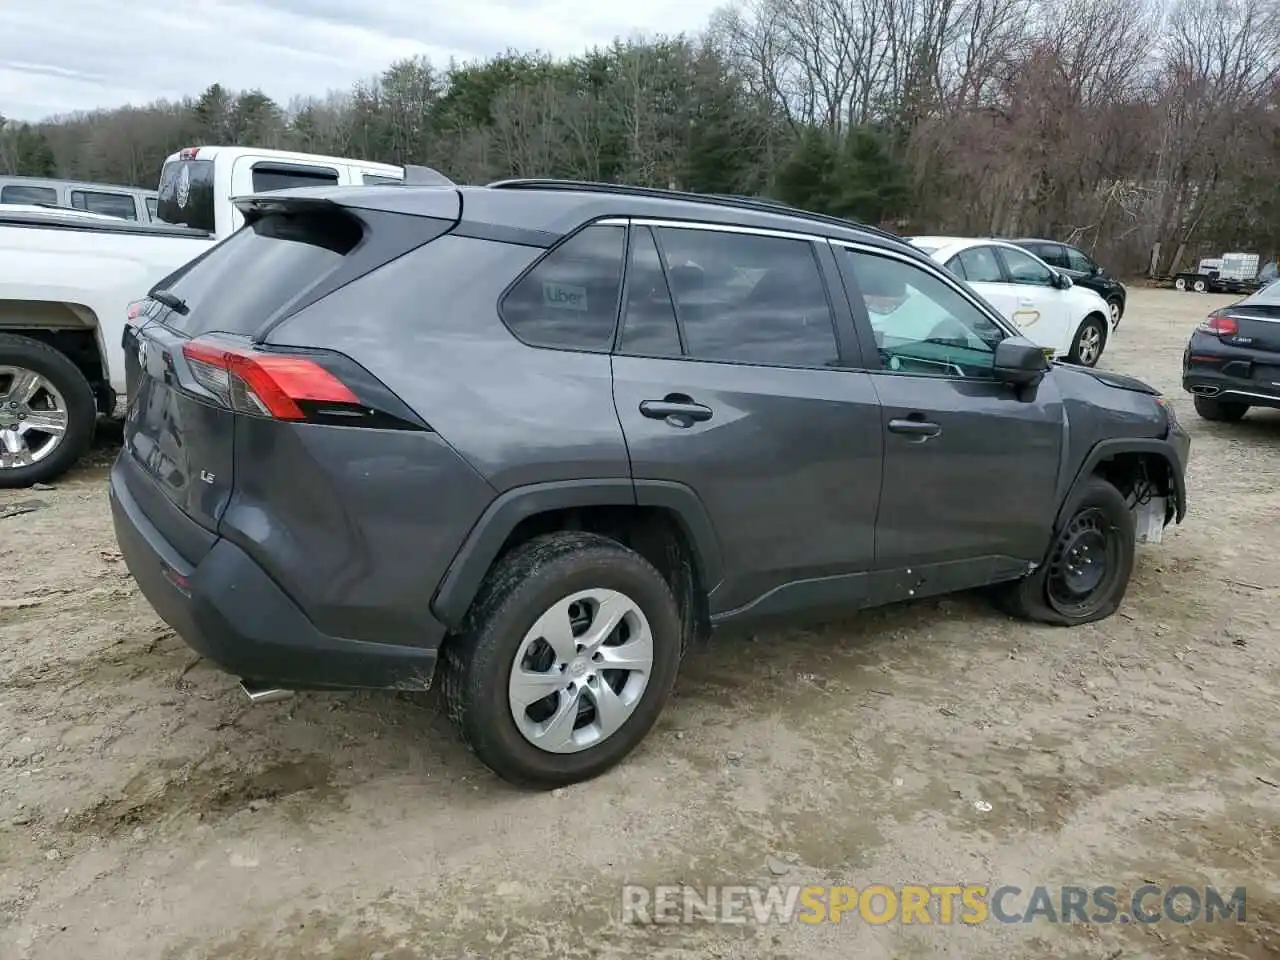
<point x="539" y="436"/>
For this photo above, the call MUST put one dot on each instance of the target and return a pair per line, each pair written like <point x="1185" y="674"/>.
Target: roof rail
<point x="760" y="204"/>
<point x="416" y="175"/>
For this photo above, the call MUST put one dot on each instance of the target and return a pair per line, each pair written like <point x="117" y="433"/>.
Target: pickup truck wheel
<point x="1219" y="410"/>
<point x="47" y="412"/>
<point x="566" y="659"/>
<point x="1090" y="339"/>
<point x="1086" y="574"/>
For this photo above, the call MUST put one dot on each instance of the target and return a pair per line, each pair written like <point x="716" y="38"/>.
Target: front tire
<point x="1086" y="573"/>
<point x="567" y="657"/>
<point x="1117" y="311"/>
<point x="47" y="412"/>
<point x="1089" y="342"/>
<point x="1219" y="410"/>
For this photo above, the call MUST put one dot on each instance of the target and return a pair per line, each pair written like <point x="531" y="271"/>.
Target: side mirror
<point x="1097" y="271"/>
<point x="1020" y="362"/>
<point x="1061" y="281"/>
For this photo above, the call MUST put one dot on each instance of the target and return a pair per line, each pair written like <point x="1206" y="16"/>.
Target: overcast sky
<point x="62" y="55"/>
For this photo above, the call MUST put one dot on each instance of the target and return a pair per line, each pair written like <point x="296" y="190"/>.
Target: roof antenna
<point x="419" y="176"/>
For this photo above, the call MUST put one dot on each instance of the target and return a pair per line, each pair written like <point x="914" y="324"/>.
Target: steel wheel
<point x="33" y="417"/>
<point x="580" y="671"/>
<point x="1085" y="560"/>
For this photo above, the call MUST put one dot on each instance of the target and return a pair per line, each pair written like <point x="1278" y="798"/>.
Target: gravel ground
<point x="147" y="811"/>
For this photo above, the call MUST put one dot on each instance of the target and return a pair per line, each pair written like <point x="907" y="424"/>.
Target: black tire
<point x="1219" y="410"/>
<point x="1098" y="325"/>
<point x="476" y="665"/>
<point x="82" y="409"/>
<point x="1116" y="305"/>
<point x="1097" y="509"/>
<point x="1198" y="286"/>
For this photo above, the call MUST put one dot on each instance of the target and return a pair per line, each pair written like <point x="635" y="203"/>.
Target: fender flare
<point x="471" y="564"/>
<point x="1105" y="449"/>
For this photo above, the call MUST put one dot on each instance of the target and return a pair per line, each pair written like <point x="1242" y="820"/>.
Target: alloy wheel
<point x="33" y="417"/>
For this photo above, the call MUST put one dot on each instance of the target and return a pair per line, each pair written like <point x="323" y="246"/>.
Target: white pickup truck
<point x="67" y="280"/>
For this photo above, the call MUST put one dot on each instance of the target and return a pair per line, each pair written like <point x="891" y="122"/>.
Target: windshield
<point x="186" y="194"/>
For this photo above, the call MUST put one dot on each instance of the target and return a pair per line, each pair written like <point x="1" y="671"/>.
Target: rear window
<point x="259" y="269"/>
<point x="28" y="194"/>
<point x="112" y="204"/>
<point x="186" y="194"/>
<point x="270" y="176"/>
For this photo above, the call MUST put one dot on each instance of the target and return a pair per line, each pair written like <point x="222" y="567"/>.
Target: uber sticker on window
<point x="564" y="296"/>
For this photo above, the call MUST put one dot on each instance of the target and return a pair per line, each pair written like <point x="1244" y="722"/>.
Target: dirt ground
<point x="147" y="811"/>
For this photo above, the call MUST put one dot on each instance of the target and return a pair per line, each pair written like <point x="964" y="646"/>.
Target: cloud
<point x="106" y="53"/>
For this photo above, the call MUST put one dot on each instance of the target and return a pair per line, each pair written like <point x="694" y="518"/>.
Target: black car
<point x="1232" y="361"/>
<point x="1081" y="268"/>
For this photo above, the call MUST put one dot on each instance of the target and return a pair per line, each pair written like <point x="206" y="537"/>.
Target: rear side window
<point x="649" y="320"/>
<point x="569" y="300"/>
<point x="186" y="194"/>
<point x="1050" y="253"/>
<point x="112" y="204"/>
<point x="268" y="177"/>
<point x="247" y="278"/>
<point x="980" y="265"/>
<point x="745" y="298"/>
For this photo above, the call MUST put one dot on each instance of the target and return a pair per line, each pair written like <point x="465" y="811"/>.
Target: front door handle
<point x="681" y="410"/>
<point x="920" y="429"/>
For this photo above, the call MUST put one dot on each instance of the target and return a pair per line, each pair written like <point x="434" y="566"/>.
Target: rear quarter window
<point x="569" y="300"/>
<point x="269" y="176"/>
<point x="249" y="277"/>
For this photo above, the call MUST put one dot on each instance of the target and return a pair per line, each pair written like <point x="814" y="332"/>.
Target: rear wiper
<point x="170" y="300"/>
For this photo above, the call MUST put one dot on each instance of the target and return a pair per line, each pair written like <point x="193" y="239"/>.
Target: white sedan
<point x="1072" y="321"/>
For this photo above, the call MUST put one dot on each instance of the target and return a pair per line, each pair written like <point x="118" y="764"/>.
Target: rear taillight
<point x="281" y="386"/>
<point x="1220" y="325"/>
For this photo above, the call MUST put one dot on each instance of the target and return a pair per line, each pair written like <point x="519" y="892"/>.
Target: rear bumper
<point x="1232" y="377"/>
<point x="230" y="611"/>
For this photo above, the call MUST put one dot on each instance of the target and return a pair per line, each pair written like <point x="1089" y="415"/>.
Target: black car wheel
<point x="1117" y="311"/>
<point x="568" y="655"/>
<point x="1219" y="410"/>
<point x="1086" y="574"/>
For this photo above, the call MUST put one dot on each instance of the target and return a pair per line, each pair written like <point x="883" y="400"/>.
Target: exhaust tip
<point x="258" y="694"/>
<point x="1205" y="390"/>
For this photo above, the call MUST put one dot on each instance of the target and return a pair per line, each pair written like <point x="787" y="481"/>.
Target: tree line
<point x="1125" y="126"/>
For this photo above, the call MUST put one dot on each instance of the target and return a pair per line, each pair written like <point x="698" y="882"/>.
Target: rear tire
<point x="1089" y="342"/>
<point x="1198" y="286"/>
<point x="1180" y="284"/>
<point x="524" y="590"/>
<point x="80" y="411"/>
<point x="1086" y="573"/>
<point x="1219" y="410"/>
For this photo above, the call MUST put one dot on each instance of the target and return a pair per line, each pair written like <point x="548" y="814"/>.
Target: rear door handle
<point x="921" y="429"/>
<point x="680" y="409"/>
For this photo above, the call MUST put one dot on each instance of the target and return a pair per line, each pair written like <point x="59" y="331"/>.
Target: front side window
<point x="749" y="298"/>
<point x="1026" y="269"/>
<point x="1050" y="253"/>
<point x="921" y="324"/>
<point x="1078" y="261"/>
<point x="23" y="193"/>
<point x="569" y="300"/>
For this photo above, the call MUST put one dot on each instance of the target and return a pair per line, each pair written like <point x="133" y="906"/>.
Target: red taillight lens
<point x="134" y="310"/>
<point x="188" y="153"/>
<point x="1222" y="326"/>
<point x="264" y="384"/>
